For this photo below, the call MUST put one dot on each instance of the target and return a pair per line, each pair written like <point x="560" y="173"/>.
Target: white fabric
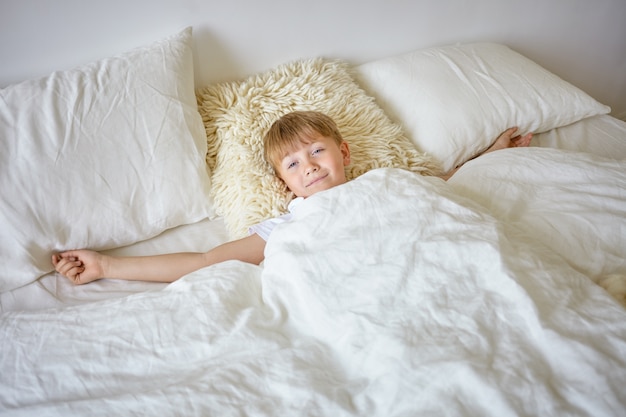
<point x="54" y="291"/>
<point x="454" y="101"/>
<point x="265" y="228"/>
<point x="601" y="135"/>
<point x="100" y="156"/>
<point x="554" y="202"/>
<point x="390" y="295"/>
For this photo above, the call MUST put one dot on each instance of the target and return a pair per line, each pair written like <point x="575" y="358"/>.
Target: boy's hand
<point x="80" y="266"/>
<point x="507" y="140"/>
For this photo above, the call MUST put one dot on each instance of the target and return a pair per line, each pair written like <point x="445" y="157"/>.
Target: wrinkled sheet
<point x="570" y="202"/>
<point x="392" y="295"/>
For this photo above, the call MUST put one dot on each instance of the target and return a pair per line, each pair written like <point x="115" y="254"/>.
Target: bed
<point x="499" y="292"/>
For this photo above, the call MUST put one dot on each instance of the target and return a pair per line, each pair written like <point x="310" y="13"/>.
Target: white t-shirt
<point x="264" y="229"/>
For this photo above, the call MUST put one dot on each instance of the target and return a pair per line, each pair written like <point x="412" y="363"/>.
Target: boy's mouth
<point x="316" y="180"/>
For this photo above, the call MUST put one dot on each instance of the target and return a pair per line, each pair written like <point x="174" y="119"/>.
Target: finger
<point x="69" y="254"/>
<point x="58" y="257"/>
<point x="65" y="266"/>
<point x="62" y="262"/>
<point x="522" y="140"/>
<point x="74" y="274"/>
<point x="76" y="277"/>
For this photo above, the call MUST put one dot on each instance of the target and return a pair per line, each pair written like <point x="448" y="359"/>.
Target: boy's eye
<point x="291" y="165"/>
<point x="317" y="151"/>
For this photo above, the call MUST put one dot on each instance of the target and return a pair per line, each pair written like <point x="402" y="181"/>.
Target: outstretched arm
<point x="83" y="266"/>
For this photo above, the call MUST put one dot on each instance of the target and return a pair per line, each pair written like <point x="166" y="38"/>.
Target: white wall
<point x="582" y="41"/>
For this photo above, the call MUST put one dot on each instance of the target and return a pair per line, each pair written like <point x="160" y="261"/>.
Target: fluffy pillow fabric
<point x="454" y="101"/>
<point x="99" y="157"/>
<point x="238" y="114"/>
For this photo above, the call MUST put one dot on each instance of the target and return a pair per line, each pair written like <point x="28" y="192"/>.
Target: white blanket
<point x="389" y="296"/>
<point x="573" y="203"/>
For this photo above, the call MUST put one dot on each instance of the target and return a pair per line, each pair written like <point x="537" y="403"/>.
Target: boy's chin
<point x="323" y="186"/>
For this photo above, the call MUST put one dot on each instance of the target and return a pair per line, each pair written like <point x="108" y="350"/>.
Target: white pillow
<point x="100" y="156"/>
<point x="454" y="101"/>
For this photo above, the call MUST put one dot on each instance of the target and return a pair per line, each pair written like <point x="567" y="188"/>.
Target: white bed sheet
<point x="390" y="295"/>
<point x="603" y="135"/>
<point x="53" y="290"/>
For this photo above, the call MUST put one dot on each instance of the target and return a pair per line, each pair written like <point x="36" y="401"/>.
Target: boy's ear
<point x="345" y="151"/>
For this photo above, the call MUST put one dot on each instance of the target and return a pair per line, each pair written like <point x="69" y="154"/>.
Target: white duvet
<point x="392" y="295"/>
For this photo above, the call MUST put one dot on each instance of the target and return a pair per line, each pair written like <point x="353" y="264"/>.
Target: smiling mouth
<point x="316" y="180"/>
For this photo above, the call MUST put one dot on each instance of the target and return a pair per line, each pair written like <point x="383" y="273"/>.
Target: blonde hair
<point x="292" y="129"/>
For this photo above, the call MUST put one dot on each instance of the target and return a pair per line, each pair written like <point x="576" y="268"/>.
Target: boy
<point x="306" y="151"/>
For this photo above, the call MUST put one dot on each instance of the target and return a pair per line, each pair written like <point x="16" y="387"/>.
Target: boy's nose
<point x="311" y="168"/>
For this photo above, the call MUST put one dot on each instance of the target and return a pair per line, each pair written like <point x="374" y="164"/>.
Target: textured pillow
<point x="100" y="156"/>
<point x="237" y="115"/>
<point x="454" y="101"/>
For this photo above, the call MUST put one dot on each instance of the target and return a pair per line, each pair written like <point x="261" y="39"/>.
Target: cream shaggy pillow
<point x="236" y="116"/>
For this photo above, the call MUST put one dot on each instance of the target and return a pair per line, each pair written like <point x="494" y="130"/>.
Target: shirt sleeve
<point x="264" y="229"/>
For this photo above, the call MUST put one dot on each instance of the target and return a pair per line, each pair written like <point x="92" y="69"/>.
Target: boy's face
<point x="316" y="165"/>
